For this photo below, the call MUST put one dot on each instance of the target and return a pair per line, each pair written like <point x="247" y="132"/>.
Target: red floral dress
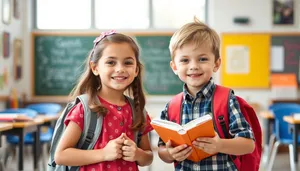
<point x="117" y="121"/>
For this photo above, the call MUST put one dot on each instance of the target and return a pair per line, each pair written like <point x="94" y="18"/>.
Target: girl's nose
<point x="120" y="69"/>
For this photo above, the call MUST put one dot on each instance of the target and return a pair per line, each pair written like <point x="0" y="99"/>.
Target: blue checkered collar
<point x="206" y="91"/>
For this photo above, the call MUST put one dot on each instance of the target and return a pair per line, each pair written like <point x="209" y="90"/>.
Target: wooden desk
<point x="20" y="129"/>
<point x="48" y="118"/>
<point x="3" y="127"/>
<point x="268" y="122"/>
<point x="294" y="127"/>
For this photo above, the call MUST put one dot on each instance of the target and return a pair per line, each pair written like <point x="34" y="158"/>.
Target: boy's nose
<point x="194" y="66"/>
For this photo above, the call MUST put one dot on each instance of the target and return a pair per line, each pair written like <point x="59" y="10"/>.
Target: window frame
<point x="93" y="18"/>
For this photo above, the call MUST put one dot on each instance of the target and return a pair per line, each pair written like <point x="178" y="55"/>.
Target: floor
<point x="281" y="163"/>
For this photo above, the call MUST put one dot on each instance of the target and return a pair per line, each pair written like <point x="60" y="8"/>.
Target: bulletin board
<point x="285" y="54"/>
<point x="245" y="60"/>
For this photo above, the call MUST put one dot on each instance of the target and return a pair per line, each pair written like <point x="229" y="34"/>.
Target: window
<point x="117" y="14"/>
<point x="63" y="14"/>
<point x="174" y="14"/>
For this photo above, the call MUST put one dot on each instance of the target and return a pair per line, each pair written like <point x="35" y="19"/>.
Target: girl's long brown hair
<point x="90" y="84"/>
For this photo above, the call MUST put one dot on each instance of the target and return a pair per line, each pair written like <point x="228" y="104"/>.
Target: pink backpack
<point x="248" y="162"/>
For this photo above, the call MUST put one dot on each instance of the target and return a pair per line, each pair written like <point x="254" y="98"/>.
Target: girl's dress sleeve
<point x="148" y="126"/>
<point x="76" y="115"/>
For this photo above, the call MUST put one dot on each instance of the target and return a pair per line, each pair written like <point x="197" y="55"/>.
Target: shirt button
<point x="121" y="123"/>
<point x="119" y="108"/>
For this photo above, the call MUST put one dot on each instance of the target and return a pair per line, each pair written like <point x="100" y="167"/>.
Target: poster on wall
<point x="5" y="44"/>
<point x="6" y="11"/>
<point x="18" y="59"/>
<point x="237" y="59"/>
<point x="1" y="46"/>
<point x="283" y="12"/>
<point x="4" y="82"/>
<point x="16" y="10"/>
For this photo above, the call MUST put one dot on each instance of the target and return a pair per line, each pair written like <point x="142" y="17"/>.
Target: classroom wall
<point x="16" y="30"/>
<point x="221" y="14"/>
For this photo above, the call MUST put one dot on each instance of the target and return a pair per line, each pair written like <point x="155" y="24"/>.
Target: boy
<point x="195" y="56"/>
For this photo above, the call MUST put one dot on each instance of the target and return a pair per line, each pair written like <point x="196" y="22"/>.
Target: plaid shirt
<point x="199" y="106"/>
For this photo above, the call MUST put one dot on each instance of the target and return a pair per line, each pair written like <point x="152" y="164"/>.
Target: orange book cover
<point x="186" y="134"/>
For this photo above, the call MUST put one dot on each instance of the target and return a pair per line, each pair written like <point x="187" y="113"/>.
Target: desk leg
<point x="267" y="146"/>
<point x="295" y="143"/>
<point x="36" y="146"/>
<point x="0" y="139"/>
<point x="267" y="132"/>
<point x="21" y="149"/>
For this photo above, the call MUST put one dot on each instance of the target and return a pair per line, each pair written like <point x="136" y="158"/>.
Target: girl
<point x="113" y="66"/>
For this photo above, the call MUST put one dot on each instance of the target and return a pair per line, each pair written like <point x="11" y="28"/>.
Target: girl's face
<point x="117" y="67"/>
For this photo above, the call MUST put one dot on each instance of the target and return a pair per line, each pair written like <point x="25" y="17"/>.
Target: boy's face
<point x="194" y="65"/>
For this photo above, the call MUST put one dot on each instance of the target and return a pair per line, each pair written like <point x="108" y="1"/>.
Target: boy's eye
<point x="184" y="60"/>
<point x="203" y="59"/>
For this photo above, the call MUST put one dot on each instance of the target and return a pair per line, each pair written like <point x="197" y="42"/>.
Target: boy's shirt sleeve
<point x="163" y="116"/>
<point x="76" y="115"/>
<point x="238" y="126"/>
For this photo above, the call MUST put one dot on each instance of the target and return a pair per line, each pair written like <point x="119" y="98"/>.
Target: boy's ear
<point x="93" y="66"/>
<point x="173" y="66"/>
<point x="217" y="65"/>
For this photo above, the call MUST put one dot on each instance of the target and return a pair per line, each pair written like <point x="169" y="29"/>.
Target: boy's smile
<point x="194" y="65"/>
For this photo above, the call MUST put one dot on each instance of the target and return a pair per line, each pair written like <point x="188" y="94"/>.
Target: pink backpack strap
<point x="220" y="108"/>
<point x="174" y="108"/>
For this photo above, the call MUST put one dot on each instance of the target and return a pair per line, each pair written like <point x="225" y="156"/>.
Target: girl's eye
<point x="128" y="63"/>
<point x="110" y="62"/>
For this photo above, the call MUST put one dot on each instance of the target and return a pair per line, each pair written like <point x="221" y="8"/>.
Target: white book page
<point x="167" y="124"/>
<point x="197" y="121"/>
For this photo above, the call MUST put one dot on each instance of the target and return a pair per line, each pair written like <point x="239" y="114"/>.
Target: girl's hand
<point x="112" y="150"/>
<point x="209" y="145"/>
<point x="130" y="150"/>
<point x="180" y="152"/>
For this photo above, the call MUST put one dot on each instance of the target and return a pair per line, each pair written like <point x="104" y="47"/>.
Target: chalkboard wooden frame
<point x="63" y="98"/>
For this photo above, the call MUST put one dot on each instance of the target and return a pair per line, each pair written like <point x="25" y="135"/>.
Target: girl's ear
<point x="93" y="66"/>
<point x="173" y="66"/>
<point x="217" y="65"/>
<point x="137" y="71"/>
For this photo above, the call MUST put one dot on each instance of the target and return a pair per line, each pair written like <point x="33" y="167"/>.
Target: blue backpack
<point x="90" y="133"/>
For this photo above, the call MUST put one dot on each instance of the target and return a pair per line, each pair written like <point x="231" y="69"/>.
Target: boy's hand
<point x="209" y="145"/>
<point x="112" y="150"/>
<point x="129" y="149"/>
<point x="180" y="152"/>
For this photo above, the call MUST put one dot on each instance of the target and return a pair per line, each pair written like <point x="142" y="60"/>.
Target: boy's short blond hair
<point x="198" y="33"/>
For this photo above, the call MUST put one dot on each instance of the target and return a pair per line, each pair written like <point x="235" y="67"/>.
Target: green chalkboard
<point x="59" y="61"/>
<point x="291" y="48"/>
<point x="159" y="78"/>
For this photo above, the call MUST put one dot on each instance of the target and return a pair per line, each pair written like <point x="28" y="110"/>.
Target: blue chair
<point x="283" y="137"/>
<point x="12" y="140"/>
<point x="268" y="147"/>
<point x="46" y="131"/>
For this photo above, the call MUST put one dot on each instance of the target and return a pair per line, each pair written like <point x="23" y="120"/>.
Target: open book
<point x="186" y="134"/>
